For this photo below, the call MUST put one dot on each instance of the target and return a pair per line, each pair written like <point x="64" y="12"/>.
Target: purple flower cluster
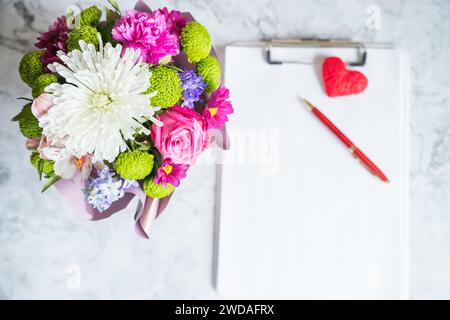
<point x="106" y="189"/>
<point x="193" y="86"/>
<point x="53" y="41"/>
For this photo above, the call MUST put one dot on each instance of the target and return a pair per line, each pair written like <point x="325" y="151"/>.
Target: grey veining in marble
<point x="46" y="249"/>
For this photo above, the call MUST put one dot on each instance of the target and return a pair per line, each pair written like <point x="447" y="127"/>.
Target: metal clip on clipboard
<point x="321" y="43"/>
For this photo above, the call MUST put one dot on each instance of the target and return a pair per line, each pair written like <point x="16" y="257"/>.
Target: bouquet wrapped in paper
<point x="122" y="105"/>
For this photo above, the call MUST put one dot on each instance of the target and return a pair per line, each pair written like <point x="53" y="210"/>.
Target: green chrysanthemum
<point x="90" y="16"/>
<point x="195" y="41"/>
<point x="86" y="33"/>
<point x="41" y="82"/>
<point x="157" y="191"/>
<point x="209" y="69"/>
<point x="47" y="164"/>
<point x="28" y="124"/>
<point x="30" y="67"/>
<point x="134" y="165"/>
<point x="166" y="82"/>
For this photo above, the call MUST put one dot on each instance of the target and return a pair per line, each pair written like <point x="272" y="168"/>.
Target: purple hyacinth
<point x="53" y="41"/>
<point x="193" y="86"/>
<point x="107" y="188"/>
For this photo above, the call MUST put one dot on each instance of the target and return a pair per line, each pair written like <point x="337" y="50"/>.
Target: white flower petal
<point x="102" y="103"/>
<point x="65" y="168"/>
<point x="51" y="153"/>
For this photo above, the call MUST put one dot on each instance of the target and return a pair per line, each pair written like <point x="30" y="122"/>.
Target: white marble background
<point x="41" y="238"/>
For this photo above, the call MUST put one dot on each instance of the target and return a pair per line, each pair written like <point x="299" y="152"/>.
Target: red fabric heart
<point x="339" y="81"/>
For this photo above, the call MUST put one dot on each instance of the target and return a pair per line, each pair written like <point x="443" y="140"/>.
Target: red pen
<point x="358" y="154"/>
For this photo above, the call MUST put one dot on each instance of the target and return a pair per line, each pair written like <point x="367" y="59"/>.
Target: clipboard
<point x="296" y="216"/>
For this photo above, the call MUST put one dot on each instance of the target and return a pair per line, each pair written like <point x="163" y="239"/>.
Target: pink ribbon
<point x="148" y="208"/>
<point x="147" y="211"/>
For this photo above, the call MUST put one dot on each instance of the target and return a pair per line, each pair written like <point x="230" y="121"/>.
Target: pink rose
<point x="182" y="136"/>
<point x="41" y="105"/>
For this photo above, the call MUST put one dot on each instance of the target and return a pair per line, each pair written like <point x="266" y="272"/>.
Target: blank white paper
<point x="298" y="216"/>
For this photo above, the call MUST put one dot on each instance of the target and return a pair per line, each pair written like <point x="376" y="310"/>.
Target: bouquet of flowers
<point x="122" y="106"/>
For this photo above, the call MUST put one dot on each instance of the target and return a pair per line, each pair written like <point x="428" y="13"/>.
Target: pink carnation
<point x="217" y="108"/>
<point x="182" y="137"/>
<point x="149" y="32"/>
<point x="176" y="21"/>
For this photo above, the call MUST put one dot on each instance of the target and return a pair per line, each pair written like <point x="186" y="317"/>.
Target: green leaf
<point x="49" y="175"/>
<point x="112" y="16"/>
<point x="40" y="168"/>
<point x="105" y="28"/>
<point x="157" y="157"/>
<point x="54" y="179"/>
<point x="136" y="145"/>
<point x="115" y="5"/>
<point x="16" y="117"/>
<point x="140" y="147"/>
<point x="172" y="66"/>
<point x="143" y="148"/>
<point x="26" y="99"/>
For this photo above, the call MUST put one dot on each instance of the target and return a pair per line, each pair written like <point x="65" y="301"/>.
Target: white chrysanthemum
<point x="103" y="102"/>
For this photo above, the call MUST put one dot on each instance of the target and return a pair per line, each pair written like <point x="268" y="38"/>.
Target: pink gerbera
<point x="217" y="108"/>
<point x="148" y="32"/>
<point x="53" y="40"/>
<point x="170" y="172"/>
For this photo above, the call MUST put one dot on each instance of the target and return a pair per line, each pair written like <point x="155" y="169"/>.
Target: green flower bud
<point x="90" y="16"/>
<point x="134" y="165"/>
<point x="30" y="67"/>
<point x="41" y="83"/>
<point x="166" y="82"/>
<point x="86" y="33"/>
<point x="209" y="69"/>
<point x="195" y="41"/>
<point x="157" y="191"/>
<point x="28" y="124"/>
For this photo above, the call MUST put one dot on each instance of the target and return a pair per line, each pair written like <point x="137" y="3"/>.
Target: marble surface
<point x="48" y="251"/>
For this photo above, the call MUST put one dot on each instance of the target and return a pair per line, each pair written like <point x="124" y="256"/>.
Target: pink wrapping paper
<point x="148" y="208"/>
